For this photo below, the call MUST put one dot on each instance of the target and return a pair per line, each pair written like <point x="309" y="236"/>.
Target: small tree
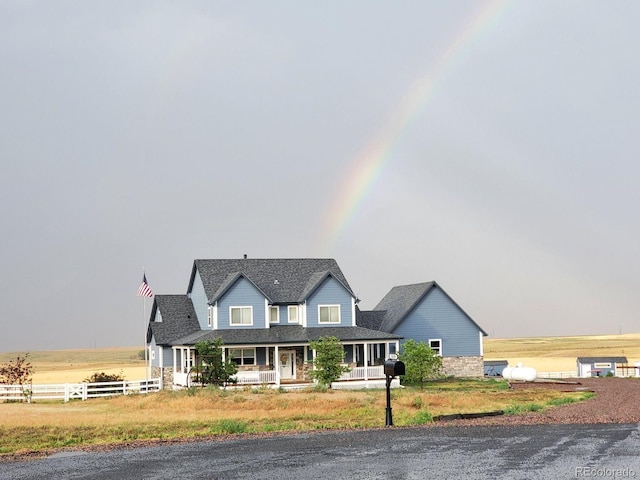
<point x="210" y="367"/>
<point x="328" y="360"/>
<point x="18" y="372"/>
<point x="421" y="362"/>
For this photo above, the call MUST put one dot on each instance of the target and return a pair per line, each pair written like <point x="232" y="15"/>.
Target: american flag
<point x="145" y="289"/>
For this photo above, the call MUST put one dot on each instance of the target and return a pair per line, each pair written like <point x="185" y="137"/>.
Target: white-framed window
<point x="435" y="344"/>
<point x="329" y="314"/>
<point x="293" y="314"/>
<point x="209" y="315"/>
<point x="241" y="315"/>
<point x="274" y="314"/>
<point x="243" y="356"/>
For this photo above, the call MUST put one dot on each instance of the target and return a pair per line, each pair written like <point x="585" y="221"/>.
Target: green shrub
<point x="229" y="426"/>
<point x="422" y="417"/>
<point x="100" y="377"/>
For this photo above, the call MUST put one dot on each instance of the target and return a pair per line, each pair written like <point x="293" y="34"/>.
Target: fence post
<point x="84" y="391"/>
<point x="124" y="387"/>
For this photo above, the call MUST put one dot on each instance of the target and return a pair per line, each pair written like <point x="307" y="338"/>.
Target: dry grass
<point x="197" y="413"/>
<point x="203" y="412"/>
<point x="552" y="354"/>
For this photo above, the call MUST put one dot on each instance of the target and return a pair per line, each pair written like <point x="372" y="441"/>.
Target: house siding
<point x="438" y="317"/>
<point x="242" y="294"/>
<point x="200" y="302"/>
<point x="154" y="360"/>
<point x="330" y="292"/>
<point x="167" y="357"/>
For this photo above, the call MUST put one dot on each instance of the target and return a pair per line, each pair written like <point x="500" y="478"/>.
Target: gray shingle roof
<point x="281" y="280"/>
<point x="178" y="319"/>
<point x="399" y="302"/>
<point x="370" y="318"/>
<point x="284" y="334"/>
<point x="602" y="359"/>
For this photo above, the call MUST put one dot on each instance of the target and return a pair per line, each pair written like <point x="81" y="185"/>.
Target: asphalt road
<point x="497" y="452"/>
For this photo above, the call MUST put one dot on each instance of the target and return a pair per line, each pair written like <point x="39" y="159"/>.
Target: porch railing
<point x="257" y="377"/>
<point x="358" y="373"/>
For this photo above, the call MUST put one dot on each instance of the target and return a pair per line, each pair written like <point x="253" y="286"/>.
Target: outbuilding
<point x="599" y="366"/>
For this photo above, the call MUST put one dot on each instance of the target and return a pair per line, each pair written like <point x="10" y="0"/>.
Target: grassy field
<point x="205" y="412"/>
<point x="201" y="412"/>
<point x="70" y="366"/>
<point x="556" y="354"/>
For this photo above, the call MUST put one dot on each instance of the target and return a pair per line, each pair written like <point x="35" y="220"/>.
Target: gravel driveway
<point x="617" y="400"/>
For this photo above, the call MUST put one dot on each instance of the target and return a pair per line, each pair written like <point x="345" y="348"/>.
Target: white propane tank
<point x="525" y="374"/>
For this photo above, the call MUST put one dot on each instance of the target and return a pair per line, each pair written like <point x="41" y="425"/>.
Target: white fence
<point x="81" y="391"/>
<point x="558" y="375"/>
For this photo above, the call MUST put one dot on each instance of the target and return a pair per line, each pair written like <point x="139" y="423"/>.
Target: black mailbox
<point x="393" y="368"/>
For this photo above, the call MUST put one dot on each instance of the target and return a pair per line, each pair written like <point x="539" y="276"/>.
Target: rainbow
<point x="364" y="171"/>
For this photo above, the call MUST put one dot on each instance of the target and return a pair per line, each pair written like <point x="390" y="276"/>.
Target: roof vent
<point x="276" y="282"/>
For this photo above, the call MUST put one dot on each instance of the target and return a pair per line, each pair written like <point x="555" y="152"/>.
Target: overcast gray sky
<point x="490" y="146"/>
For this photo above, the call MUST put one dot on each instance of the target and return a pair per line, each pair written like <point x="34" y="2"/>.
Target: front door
<point x="287" y="364"/>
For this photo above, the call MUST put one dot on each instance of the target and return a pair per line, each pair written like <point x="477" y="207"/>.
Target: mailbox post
<point x="392" y="368"/>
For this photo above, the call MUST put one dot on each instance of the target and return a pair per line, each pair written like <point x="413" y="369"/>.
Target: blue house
<point x="426" y="313"/>
<point x="266" y="311"/>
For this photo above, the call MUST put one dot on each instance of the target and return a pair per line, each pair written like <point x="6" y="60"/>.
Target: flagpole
<point x="146" y="350"/>
<point x="145" y="291"/>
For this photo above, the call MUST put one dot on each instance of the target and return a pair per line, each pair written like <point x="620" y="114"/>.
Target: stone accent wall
<point x="166" y="374"/>
<point x="463" y="367"/>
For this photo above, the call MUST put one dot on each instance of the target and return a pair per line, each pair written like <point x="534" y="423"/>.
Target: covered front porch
<point x="288" y="364"/>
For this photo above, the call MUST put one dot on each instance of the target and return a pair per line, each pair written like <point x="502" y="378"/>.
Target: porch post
<point x="276" y="364"/>
<point x="366" y="361"/>
<point x="175" y="368"/>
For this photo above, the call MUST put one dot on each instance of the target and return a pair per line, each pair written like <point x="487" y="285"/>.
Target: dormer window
<point x="274" y="314"/>
<point x="241" y="315"/>
<point x="329" y="314"/>
<point x="293" y="314"/>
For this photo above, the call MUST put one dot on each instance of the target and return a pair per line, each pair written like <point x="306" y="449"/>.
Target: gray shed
<point x="599" y="366"/>
<point x="493" y="368"/>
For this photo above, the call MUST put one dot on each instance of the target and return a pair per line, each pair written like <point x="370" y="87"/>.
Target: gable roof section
<point x="316" y="280"/>
<point x="231" y="279"/>
<point x="178" y="319"/>
<point x="281" y="280"/>
<point x="401" y="300"/>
